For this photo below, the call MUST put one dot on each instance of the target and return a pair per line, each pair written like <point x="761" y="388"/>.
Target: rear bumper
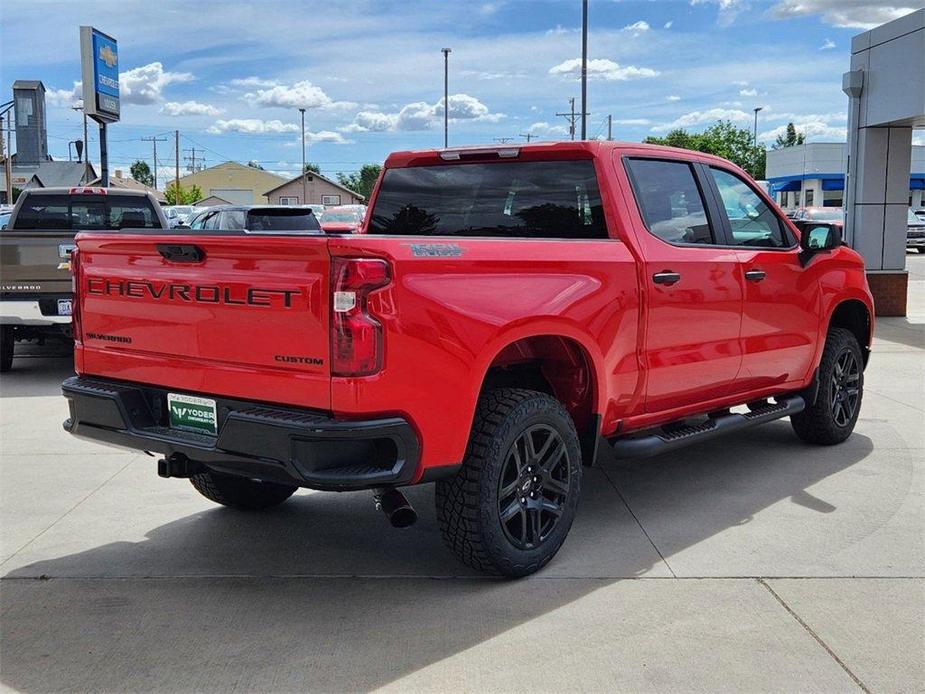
<point x="302" y="447"/>
<point x="27" y="312"/>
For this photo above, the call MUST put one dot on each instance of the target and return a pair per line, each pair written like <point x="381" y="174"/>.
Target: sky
<point x="231" y="76"/>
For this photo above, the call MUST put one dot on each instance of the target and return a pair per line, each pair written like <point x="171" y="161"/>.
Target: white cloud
<point x="631" y="121"/>
<point x="701" y="117"/>
<point x="64" y="98"/>
<point x="143" y="85"/>
<point x="673" y="97"/>
<point x="668" y="24"/>
<point x="421" y="115"/>
<point x="918" y="140"/>
<point x="815" y="131"/>
<point x="637" y="27"/>
<point x="748" y="92"/>
<point x="299" y="95"/>
<point x="326" y="136"/>
<point x="728" y="9"/>
<point x="602" y="68"/>
<point x="827" y="44"/>
<point x="847" y="14"/>
<point x="252" y="126"/>
<point x="544" y="129"/>
<point x="251" y="82"/>
<point x="836" y="116"/>
<point x="189" y="108"/>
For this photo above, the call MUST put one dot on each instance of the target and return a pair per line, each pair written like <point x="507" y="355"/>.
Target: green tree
<point x="178" y="195"/>
<point x="312" y="167"/>
<point x="141" y="172"/>
<point x="790" y="138"/>
<point x="361" y="182"/>
<point x="722" y="139"/>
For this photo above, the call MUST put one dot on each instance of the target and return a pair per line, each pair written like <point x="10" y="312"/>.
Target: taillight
<point x="75" y="295"/>
<point x="356" y="337"/>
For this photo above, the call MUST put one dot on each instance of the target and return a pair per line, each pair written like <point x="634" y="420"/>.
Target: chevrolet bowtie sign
<point x="100" y="72"/>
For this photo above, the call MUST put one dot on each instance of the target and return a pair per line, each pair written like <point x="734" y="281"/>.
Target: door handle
<point x="666" y="277"/>
<point x="181" y="252"/>
<point x="755" y="275"/>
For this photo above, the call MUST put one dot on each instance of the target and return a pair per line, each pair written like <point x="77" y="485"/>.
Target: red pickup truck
<point x="500" y="313"/>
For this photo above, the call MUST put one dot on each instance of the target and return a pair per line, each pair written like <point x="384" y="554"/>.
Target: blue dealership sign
<point x="100" y="63"/>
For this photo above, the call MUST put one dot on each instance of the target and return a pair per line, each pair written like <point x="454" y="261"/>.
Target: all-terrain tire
<point x="819" y="423"/>
<point x="240" y="492"/>
<point x="468" y="504"/>
<point x="6" y="349"/>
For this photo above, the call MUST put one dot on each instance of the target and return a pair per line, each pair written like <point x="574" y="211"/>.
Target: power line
<point x="154" y="140"/>
<point x="192" y="166"/>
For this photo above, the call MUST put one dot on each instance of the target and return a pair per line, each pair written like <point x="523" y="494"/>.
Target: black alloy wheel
<point x="533" y="486"/>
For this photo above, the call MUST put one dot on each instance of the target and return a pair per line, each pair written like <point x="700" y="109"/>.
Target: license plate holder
<point x="192" y="413"/>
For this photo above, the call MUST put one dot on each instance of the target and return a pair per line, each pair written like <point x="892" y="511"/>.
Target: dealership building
<point x="813" y="175"/>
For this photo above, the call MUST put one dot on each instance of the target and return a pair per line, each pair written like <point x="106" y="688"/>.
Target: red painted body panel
<point x="653" y="352"/>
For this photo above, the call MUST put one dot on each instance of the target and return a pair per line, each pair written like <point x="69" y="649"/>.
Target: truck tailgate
<point x="233" y="315"/>
<point x="34" y="262"/>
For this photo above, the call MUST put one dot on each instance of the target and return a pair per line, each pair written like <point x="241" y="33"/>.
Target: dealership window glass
<point x="752" y="221"/>
<point x="531" y="199"/>
<point x="670" y="200"/>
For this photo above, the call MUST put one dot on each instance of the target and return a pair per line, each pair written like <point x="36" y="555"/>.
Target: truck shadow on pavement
<point x="321" y="595"/>
<point x="38" y="370"/>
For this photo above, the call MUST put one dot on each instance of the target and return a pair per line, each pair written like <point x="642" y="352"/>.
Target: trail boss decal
<point x="193" y="293"/>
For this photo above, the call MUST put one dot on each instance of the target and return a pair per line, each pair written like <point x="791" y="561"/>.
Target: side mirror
<point x="818" y="238"/>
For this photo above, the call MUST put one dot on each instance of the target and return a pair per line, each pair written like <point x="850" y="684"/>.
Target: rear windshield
<point x="281" y="220"/>
<point x="65" y="212"/>
<point x="543" y="199"/>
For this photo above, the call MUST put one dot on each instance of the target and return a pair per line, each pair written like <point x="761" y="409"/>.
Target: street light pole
<point x="304" y="201"/>
<point x="584" y="69"/>
<point x="756" y="109"/>
<point x="446" y="96"/>
<point x="754" y="171"/>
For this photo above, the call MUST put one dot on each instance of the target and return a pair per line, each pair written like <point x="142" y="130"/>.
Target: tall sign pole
<point x="446" y="96"/>
<point x="584" y="70"/>
<point x="99" y="62"/>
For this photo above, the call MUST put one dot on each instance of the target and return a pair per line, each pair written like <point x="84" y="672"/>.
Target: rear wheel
<point x="510" y="507"/>
<point x="832" y="417"/>
<point x="240" y="492"/>
<point x="6" y="349"/>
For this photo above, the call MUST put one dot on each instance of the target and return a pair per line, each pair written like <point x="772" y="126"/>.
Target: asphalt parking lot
<point x="752" y="563"/>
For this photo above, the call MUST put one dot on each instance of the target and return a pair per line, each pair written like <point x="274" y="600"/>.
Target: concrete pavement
<point x="752" y="563"/>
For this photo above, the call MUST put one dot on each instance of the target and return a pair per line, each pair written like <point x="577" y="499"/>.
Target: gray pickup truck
<point x="35" y="246"/>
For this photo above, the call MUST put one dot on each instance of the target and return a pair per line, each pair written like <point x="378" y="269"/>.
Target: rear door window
<point x="670" y="201"/>
<point x="542" y="199"/>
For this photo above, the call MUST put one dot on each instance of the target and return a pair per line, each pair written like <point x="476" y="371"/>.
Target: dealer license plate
<point x="192" y="413"/>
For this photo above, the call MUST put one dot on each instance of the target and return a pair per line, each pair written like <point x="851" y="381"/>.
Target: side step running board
<point x="653" y="444"/>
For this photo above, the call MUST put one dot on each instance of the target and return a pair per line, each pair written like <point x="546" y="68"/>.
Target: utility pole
<point x="446" y="96"/>
<point x="176" y="135"/>
<point x="609" y="127"/>
<point x="570" y="117"/>
<point x="86" y="147"/>
<point x="304" y="185"/>
<point x="6" y="166"/>
<point x="192" y="160"/>
<point x="528" y="136"/>
<point x="584" y="70"/>
<point x="154" y="141"/>
<point x="503" y="140"/>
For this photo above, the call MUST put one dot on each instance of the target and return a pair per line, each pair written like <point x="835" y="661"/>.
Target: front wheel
<point x="510" y="507"/>
<point x="239" y="492"/>
<point x="832" y="417"/>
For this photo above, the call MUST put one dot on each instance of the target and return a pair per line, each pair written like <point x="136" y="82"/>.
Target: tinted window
<point x="281" y="220"/>
<point x="752" y="221"/>
<point x="506" y="199"/>
<point x="669" y="200"/>
<point x="54" y="212"/>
